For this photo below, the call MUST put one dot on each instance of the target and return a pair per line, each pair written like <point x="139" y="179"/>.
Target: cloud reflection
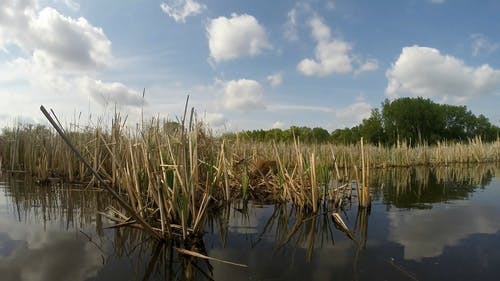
<point x="33" y="254"/>
<point x="425" y="233"/>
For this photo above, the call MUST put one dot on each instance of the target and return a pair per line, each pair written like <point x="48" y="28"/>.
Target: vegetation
<point x="166" y="175"/>
<point x="305" y="134"/>
<point x="412" y="120"/>
<point x="418" y="120"/>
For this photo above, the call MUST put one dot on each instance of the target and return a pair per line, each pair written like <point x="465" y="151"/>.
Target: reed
<point x="171" y="173"/>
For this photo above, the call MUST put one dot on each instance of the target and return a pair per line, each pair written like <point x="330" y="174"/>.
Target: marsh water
<point x="424" y="224"/>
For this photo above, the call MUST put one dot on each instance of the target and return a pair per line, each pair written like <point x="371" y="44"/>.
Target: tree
<point x="412" y="119"/>
<point x="346" y="135"/>
<point x="372" y="129"/>
<point x="415" y="120"/>
<point x="320" y="135"/>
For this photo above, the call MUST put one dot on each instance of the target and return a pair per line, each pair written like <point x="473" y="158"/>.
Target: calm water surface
<point x="440" y="224"/>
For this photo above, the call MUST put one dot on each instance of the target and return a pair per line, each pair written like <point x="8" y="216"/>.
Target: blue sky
<point x="245" y="64"/>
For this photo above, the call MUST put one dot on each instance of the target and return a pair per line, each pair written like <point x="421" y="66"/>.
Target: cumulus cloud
<point x="59" y="83"/>
<point x="425" y="72"/>
<point x="240" y="35"/>
<point x="58" y="53"/>
<point x="216" y="119"/>
<point x="480" y="44"/>
<point x="244" y="94"/>
<point x="354" y="113"/>
<point x="369" y="65"/>
<point x="179" y="10"/>
<point x="275" y="79"/>
<point x="114" y="93"/>
<point x="53" y="39"/>
<point x="278" y="125"/>
<point x="332" y="55"/>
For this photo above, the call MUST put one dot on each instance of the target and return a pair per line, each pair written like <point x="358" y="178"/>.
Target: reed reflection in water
<point x="418" y="220"/>
<point x="54" y="232"/>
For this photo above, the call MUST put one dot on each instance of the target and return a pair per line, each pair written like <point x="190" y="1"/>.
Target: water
<point x="440" y="224"/>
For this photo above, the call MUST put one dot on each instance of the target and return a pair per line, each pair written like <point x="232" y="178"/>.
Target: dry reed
<point x="171" y="173"/>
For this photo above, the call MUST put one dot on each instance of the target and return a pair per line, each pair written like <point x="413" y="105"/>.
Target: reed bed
<point x="166" y="175"/>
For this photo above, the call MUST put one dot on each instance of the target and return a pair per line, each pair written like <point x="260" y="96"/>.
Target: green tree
<point x="372" y="129"/>
<point x="346" y="135"/>
<point x="320" y="135"/>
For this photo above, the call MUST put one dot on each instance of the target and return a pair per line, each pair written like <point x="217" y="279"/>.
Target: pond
<point x="424" y="224"/>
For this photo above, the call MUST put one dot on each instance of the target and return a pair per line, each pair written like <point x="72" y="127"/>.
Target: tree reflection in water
<point x="232" y="233"/>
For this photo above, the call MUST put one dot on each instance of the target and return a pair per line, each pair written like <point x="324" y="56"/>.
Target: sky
<point x="244" y="64"/>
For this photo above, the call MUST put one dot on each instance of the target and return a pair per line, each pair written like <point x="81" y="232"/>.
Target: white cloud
<point x="320" y="31"/>
<point x="179" y="10"/>
<point x="26" y="85"/>
<point x="278" y="125"/>
<point x="53" y="39"/>
<point x="354" y="113"/>
<point x="369" y="65"/>
<point x="293" y="17"/>
<point x="425" y="72"/>
<point x="216" y="119"/>
<point x="58" y="53"/>
<point x="291" y="25"/>
<point x="275" y="79"/>
<point x="73" y="5"/>
<point x="481" y="45"/>
<point x="53" y="83"/>
<point x="438" y="1"/>
<point x="332" y="55"/>
<point x="244" y="94"/>
<point x="111" y="93"/>
<point x="240" y="35"/>
<point x="297" y="107"/>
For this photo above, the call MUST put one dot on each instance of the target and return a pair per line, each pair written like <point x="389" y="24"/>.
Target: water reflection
<point x="47" y="255"/>
<point x="54" y="232"/>
<point x="419" y="218"/>
<point x="32" y="247"/>
<point x="421" y="187"/>
<point x="425" y="233"/>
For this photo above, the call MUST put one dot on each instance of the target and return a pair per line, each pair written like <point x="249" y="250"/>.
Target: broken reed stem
<point x="198" y="255"/>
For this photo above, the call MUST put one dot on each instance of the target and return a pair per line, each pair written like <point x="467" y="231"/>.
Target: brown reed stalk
<point x="122" y="202"/>
<point x="314" y="187"/>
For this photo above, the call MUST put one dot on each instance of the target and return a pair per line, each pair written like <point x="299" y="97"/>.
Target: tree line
<point x="414" y="120"/>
